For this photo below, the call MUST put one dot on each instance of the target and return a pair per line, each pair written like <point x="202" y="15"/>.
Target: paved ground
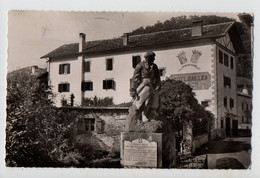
<point x="228" y="149"/>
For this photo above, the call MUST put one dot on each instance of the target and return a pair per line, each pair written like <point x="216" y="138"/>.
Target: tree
<point x="37" y="134"/>
<point x="179" y="23"/>
<point x="178" y="104"/>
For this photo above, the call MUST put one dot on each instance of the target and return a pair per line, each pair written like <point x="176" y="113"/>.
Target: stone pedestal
<point x="148" y="150"/>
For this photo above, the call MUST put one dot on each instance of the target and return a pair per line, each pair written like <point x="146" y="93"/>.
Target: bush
<point x="37" y="134"/>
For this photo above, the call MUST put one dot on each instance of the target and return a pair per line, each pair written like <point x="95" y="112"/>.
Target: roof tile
<point x="170" y="36"/>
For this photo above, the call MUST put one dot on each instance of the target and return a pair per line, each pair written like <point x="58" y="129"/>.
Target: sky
<point x="32" y="34"/>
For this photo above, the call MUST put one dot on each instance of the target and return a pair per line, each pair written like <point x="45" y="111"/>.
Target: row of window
<point x="88" y="86"/>
<point x="65" y="68"/>
<point x="245" y="107"/>
<point x="246" y="120"/>
<point x="231" y="102"/>
<point x="225" y="59"/>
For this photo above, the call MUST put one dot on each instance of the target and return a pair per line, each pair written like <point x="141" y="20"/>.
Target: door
<point x="235" y="127"/>
<point x="228" y="127"/>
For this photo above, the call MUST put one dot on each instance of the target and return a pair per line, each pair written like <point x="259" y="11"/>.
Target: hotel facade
<point x="202" y="56"/>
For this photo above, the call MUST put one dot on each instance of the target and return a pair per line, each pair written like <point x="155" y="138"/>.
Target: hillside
<point x="244" y="61"/>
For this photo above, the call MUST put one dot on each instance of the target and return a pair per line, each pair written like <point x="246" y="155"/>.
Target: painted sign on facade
<point x="198" y="81"/>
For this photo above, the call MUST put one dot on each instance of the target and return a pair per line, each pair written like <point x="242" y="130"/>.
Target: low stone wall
<point x="198" y="141"/>
<point x="109" y="122"/>
<point x="217" y="133"/>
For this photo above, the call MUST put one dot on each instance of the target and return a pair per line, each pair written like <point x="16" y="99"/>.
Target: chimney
<point x="196" y="29"/>
<point x="125" y="39"/>
<point x="34" y="69"/>
<point x="82" y="41"/>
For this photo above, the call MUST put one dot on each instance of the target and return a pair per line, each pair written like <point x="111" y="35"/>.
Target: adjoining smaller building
<point x="244" y="105"/>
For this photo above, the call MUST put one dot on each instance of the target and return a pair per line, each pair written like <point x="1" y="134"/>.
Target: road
<point x="229" y="153"/>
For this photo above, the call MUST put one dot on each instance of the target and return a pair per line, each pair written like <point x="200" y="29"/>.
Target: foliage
<point x="98" y="102"/>
<point x="37" y="134"/>
<point x="179" y="23"/>
<point x="179" y="105"/>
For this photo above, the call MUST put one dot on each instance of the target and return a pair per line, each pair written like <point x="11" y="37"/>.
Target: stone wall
<point x="198" y="141"/>
<point x="109" y="122"/>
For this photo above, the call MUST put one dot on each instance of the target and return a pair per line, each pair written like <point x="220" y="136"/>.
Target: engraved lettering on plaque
<point x="140" y="153"/>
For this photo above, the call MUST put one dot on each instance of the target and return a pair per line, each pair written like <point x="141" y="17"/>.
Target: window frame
<point x="90" y="126"/>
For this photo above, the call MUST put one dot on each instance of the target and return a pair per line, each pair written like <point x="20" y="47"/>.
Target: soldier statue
<point x="145" y="87"/>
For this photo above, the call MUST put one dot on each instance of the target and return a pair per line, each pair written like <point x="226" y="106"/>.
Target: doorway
<point x="234" y="127"/>
<point x="228" y="127"/>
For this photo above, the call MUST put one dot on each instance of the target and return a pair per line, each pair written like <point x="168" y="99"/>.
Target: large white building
<point x="202" y="56"/>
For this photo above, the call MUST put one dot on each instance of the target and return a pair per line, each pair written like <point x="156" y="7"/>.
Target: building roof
<point x="28" y="70"/>
<point x="144" y="40"/>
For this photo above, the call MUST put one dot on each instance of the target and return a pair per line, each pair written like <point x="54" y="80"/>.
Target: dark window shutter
<point x="109" y="64"/>
<point x="113" y="85"/>
<point x="81" y="126"/>
<point x="59" y="87"/>
<point x="135" y="60"/>
<point x="220" y="56"/>
<point x="87" y="66"/>
<point x="82" y="86"/>
<point x="231" y="62"/>
<point x="104" y="84"/>
<point x="68" y="68"/>
<point x="225" y="101"/>
<point x="61" y="69"/>
<point x="67" y="87"/>
<point x="91" y="86"/>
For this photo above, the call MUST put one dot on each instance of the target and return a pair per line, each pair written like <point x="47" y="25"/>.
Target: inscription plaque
<point x="140" y="153"/>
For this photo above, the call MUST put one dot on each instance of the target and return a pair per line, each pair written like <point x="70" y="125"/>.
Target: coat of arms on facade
<point x="193" y="60"/>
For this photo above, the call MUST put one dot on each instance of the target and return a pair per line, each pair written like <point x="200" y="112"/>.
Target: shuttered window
<point x="226" y="59"/>
<point x="109" y="84"/>
<point x="87" y="86"/>
<point x="225" y="101"/>
<point x="135" y="60"/>
<point x="231" y="103"/>
<point x="64" y="87"/>
<point x="109" y="64"/>
<point x="227" y="81"/>
<point x="87" y="66"/>
<point x="90" y="124"/>
<point x="64" y="69"/>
